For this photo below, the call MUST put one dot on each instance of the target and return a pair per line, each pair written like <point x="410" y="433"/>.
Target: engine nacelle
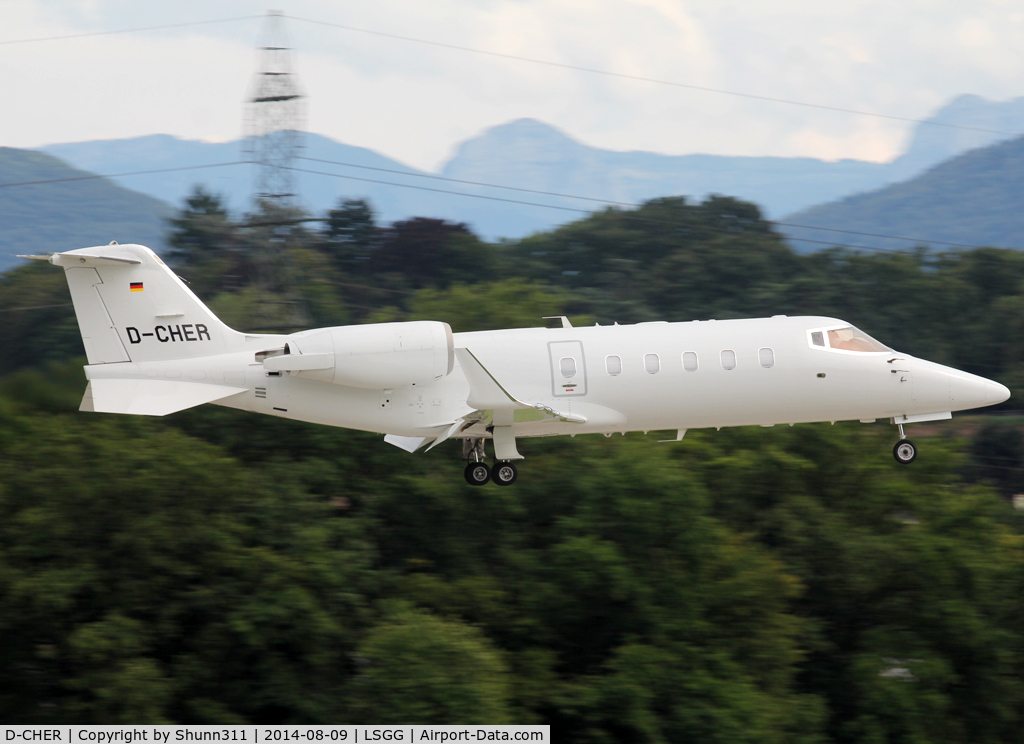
<point x="377" y="356"/>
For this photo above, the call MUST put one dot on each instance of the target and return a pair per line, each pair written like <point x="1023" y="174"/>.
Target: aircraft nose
<point x="970" y="391"/>
<point x="995" y="392"/>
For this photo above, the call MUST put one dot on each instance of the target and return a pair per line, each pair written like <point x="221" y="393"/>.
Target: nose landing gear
<point x="904" y="451"/>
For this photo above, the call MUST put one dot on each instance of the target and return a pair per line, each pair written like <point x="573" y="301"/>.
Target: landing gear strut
<point x="473" y="449"/>
<point x="477" y="471"/>
<point x="905" y="451"/>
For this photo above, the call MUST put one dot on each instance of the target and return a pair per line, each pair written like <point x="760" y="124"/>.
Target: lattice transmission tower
<point x="275" y="117"/>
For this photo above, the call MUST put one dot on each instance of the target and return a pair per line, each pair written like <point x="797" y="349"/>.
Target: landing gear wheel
<point x="477" y="473"/>
<point x="504" y="473"/>
<point x="905" y="452"/>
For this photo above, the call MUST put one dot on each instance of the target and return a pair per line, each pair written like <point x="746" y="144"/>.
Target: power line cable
<point x="612" y="202"/>
<point x="577" y="210"/>
<point x="641" y="78"/>
<point x="34" y="307"/>
<point x="437" y="191"/>
<point x="94" y="176"/>
<point x="622" y="203"/>
<point x="468" y="183"/>
<point x="11" y="42"/>
<point x="521" y="58"/>
<point x="536" y="61"/>
<point x="483" y="196"/>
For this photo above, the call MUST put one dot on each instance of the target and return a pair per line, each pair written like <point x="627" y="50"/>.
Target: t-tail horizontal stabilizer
<point x="151" y="397"/>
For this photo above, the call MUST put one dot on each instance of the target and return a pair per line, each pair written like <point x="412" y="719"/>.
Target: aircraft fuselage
<point x="154" y="348"/>
<point x="760" y="371"/>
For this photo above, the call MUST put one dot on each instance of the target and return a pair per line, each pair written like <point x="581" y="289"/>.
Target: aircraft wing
<point x="486" y="393"/>
<point x="491" y="400"/>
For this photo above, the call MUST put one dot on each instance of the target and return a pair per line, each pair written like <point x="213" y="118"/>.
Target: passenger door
<point x="568" y="368"/>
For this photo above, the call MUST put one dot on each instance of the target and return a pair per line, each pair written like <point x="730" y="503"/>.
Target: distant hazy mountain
<point x="933" y="144"/>
<point x="531" y="155"/>
<point x="70" y="214"/>
<point x="973" y="199"/>
<point x="236" y="182"/>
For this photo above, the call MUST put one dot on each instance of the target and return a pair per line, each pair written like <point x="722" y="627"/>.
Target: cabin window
<point x="766" y="357"/>
<point x="652" y="364"/>
<point x="728" y="359"/>
<point x="690" y="361"/>
<point x="818" y="338"/>
<point x="567" y="366"/>
<point x="613" y="364"/>
<point x="853" y="339"/>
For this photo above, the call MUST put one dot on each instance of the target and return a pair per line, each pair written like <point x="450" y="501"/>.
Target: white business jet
<point x="154" y="348"/>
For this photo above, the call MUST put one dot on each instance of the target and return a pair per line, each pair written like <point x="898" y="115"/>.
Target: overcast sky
<point x="416" y="102"/>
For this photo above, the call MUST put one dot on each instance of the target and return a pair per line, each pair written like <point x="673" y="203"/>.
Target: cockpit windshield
<point x="852" y="339"/>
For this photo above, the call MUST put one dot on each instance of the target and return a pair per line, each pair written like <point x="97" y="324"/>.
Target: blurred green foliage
<point x="416" y="666"/>
<point x="748" y="585"/>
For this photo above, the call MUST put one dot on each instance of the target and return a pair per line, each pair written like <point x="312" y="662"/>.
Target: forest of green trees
<point x="744" y="585"/>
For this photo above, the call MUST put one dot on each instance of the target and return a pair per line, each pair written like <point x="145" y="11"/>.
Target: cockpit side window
<point x="846" y="338"/>
<point x="852" y="339"/>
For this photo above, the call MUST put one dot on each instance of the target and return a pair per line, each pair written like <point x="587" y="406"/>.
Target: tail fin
<point x="132" y="308"/>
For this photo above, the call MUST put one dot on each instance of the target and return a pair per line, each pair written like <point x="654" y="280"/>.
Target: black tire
<point x="905" y="452"/>
<point x="504" y="473"/>
<point x="477" y="473"/>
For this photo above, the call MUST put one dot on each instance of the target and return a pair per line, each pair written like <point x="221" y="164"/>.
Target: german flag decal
<point x="135" y="286"/>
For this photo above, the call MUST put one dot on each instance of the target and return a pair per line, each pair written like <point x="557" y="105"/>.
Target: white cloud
<point x="416" y="102"/>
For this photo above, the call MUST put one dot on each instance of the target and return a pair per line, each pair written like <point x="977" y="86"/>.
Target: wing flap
<point x="447" y="434"/>
<point x="151" y="397"/>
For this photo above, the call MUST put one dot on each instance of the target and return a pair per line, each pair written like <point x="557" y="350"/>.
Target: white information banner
<point x="267" y="734"/>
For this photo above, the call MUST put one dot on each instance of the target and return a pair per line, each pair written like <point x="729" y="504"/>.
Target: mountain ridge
<point x="972" y="199"/>
<point x="71" y="213"/>
<point x="529" y="155"/>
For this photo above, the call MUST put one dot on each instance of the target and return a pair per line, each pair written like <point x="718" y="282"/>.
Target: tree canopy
<point x="784" y="584"/>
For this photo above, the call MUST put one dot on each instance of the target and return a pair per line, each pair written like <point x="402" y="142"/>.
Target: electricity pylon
<point x="275" y="112"/>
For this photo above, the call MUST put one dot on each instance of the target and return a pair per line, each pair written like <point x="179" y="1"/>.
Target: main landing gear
<point x="503" y="473"/>
<point x="477" y="471"/>
<point x="905" y="451"/>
